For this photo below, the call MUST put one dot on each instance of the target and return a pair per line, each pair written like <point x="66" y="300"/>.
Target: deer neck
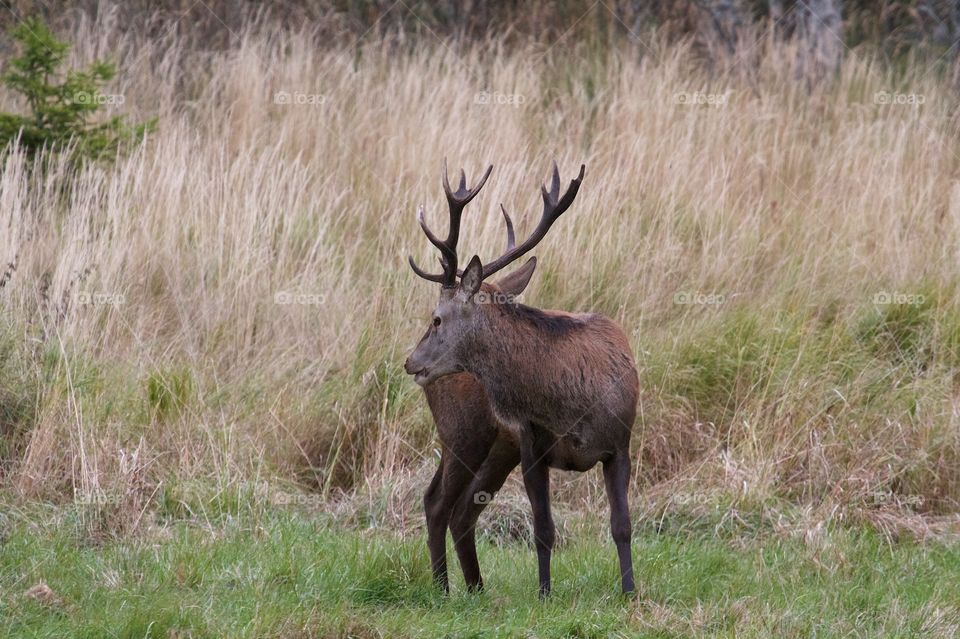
<point x="509" y="354"/>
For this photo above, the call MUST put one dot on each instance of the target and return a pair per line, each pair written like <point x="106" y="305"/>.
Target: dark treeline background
<point x="892" y="26"/>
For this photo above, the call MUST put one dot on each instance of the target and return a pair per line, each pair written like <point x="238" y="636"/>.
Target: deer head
<point x="458" y="317"/>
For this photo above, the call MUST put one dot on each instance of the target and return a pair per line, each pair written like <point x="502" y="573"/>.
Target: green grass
<point x="280" y="573"/>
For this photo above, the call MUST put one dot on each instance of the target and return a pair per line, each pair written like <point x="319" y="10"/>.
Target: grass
<point x="286" y="572"/>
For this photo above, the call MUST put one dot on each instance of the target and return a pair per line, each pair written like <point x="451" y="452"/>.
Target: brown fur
<point x="571" y="378"/>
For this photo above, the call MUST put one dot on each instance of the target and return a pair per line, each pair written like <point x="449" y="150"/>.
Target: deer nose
<point x="407" y="366"/>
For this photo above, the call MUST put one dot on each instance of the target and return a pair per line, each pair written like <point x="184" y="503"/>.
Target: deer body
<point x="560" y="390"/>
<point x="569" y="380"/>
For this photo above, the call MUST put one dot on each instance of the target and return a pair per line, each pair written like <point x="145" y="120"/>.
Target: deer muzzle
<point x="419" y="372"/>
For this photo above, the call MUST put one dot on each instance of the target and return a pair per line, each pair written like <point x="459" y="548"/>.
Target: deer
<point x="561" y="388"/>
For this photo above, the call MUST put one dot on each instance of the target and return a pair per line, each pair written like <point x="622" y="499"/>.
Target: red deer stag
<point x="563" y="387"/>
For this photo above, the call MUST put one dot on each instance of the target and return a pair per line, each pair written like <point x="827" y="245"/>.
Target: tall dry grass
<point x="743" y="243"/>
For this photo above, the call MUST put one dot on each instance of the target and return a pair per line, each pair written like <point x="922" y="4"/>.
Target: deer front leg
<point x="536" y="479"/>
<point x="437" y="517"/>
<point x="438" y="503"/>
<point x="503" y="458"/>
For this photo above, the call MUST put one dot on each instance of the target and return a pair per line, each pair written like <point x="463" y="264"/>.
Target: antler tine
<point x="447" y="252"/>
<point x="553" y="207"/>
<point x="463" y="195"/>
<point x="554" y="184"/>
<point x="444" y="250"/>
<point x="456" y="201"/>
<point x="446" y="182"/>
<point x="422" y="273"/>
<point x="511" y="238"/>
<point x="568" y="197"/>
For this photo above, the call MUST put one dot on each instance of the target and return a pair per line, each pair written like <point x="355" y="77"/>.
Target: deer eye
<point x="436" y="321"/>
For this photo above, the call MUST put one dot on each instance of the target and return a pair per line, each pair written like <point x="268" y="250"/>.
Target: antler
<point x="456" y="200"/>
<point x="553" y="207"/>
<point x="511" y="240"/>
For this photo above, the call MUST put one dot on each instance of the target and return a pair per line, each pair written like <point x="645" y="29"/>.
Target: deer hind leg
<point x="616" y="476"/>
<point x="503" y="458"/>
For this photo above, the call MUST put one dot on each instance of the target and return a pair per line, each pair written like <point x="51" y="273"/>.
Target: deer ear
<point x="470" y="282"/>
<point x="514" y="283"/>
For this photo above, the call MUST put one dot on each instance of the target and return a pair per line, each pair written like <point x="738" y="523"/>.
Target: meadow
<point x="206" y="429"/>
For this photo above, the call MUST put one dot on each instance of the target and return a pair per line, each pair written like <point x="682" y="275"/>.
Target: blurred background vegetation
<point x="894" y="27"/>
